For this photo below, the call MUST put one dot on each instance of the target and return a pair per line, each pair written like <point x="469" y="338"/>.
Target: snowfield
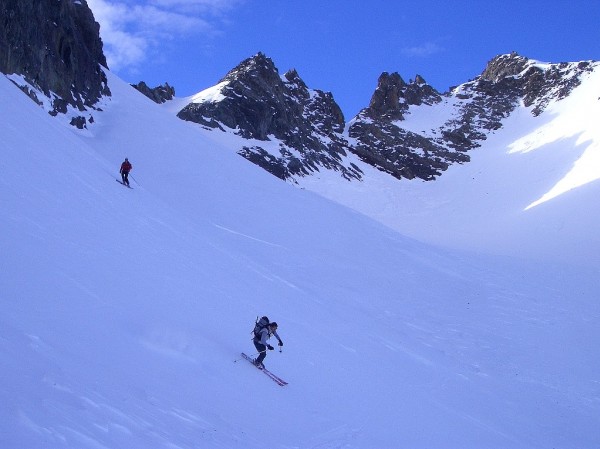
<point x="529" y="191"/>
<point x="461" y="313"/>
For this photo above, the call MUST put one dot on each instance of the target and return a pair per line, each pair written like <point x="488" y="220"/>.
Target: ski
<point x="278" y="380"/>
<point x="124" y="184"/>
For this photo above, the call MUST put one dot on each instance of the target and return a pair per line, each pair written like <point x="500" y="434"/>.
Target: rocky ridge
<point x="52" y="49"/>
<point x="479" y="107"/>
<point x="293" y="130"/>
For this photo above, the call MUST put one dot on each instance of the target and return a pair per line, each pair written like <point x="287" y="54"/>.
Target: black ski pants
<point x="262" y="349"/>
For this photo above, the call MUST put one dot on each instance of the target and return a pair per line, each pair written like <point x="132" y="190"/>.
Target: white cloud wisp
<point x="135" y="31"/>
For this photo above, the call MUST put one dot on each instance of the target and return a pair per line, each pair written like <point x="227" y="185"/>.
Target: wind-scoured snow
<point x="123" y="312"/>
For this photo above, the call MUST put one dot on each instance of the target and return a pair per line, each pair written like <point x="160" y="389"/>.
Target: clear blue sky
<point x="339" y="46"/>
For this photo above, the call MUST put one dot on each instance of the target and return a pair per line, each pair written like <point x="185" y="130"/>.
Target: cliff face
<point x="56" y="47"/>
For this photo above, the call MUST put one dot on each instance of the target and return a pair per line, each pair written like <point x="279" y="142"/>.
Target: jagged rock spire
<point x="387" y="100"/>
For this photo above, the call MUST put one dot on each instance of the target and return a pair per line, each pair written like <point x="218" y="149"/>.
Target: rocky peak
<point x="252" y="100"/>
<point x="504" y="66"/>
<point x="259" y="104"/>
<point x="294" y="81"/>
<point x="393" y="96"/>
<point x="160" y="94"/>
<point x="419" y="80"/>
<point x="418" y="92"/>
<point x="388" y="98"/>
<point x="258" y="67"/>
<point x="56" y="47"/>
<point x="533" y="82"/>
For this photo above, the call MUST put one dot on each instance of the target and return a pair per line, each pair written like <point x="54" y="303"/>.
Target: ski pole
<point x="134" y="180"/>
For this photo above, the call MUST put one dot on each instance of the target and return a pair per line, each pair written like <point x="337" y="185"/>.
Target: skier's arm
<point x="277" y="336"/>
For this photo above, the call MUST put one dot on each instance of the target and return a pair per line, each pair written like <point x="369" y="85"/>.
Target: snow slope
<point x="529" y="191"/>
<point x="123" y="312"/>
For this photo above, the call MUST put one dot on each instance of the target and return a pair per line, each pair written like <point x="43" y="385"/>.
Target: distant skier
<point x="260" y="340"/>
<point x="125" y="169"/>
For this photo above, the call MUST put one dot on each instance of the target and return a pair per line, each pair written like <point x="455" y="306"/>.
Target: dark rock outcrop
<point x="56" y="47"/>
<point x="300" y="129"/>
<point x="393" y="96"/>
<point x="382" y="142"/>
<point x="160" y="94"/>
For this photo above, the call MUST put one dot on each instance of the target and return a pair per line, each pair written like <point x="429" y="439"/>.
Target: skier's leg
<point x="262" y="349"/>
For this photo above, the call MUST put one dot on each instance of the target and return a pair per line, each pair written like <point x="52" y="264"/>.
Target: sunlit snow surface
<point x="573" y="120"/>
<point x="123" y="312"/>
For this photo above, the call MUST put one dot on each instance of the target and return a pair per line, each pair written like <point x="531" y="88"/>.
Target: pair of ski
<point x="123" y="184"/>
<point x="278" y="380"/>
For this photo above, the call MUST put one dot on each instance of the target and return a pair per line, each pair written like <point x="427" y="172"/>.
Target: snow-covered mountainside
<point x="529" y="187"/>
<point x="481" y="135"/>
<point x="386" y="137"/>
<point x="123" y="312"/>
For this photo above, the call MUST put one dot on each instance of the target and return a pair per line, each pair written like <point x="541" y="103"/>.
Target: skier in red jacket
<point x="125" y="169"/>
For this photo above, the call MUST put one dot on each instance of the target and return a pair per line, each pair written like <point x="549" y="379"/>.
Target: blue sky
<point x="338" y="46"/>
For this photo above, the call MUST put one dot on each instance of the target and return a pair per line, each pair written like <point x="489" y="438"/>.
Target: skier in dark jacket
<point x="261" y="342"/>
<point x="125" y="169"/>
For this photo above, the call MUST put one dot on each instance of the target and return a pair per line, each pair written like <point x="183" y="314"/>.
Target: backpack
<point x="259" y="325"/>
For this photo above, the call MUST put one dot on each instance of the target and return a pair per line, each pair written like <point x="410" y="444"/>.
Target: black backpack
<point x="259" y="325"/>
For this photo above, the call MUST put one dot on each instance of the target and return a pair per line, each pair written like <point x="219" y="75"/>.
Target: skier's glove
<point x="270" y="347"/>
<point x="280" y="343"/>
